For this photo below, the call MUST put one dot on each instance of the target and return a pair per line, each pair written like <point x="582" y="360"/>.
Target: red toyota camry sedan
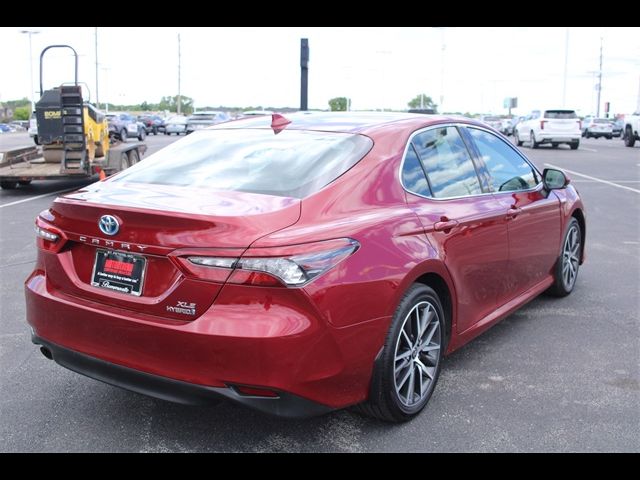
<point x="302" y="264"/>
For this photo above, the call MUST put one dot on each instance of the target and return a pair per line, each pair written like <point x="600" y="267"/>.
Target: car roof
<point x="348" y="122"/>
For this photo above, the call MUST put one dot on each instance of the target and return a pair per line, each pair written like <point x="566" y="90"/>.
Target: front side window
<point x="508" y="171"/>
<point x="447" y="163"/>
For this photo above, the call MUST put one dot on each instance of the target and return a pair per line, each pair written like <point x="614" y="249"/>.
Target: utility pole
<point x="304" y="73"/>
<point x="31" y="32"/>
<point x="97" y="97"/>
<point x="638" y="105"/>
<point x="179" y="95"/>
<point x="599" y="81"/>
<point x="566" y="61"/>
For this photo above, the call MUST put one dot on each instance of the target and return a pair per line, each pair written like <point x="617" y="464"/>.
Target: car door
<point x="532" y="213"/>
<point x="464" y="223"/>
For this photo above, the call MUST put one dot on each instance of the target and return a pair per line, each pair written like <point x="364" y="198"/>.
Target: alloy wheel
<point x="417" y="354"/>
<point x="570" y="257"/>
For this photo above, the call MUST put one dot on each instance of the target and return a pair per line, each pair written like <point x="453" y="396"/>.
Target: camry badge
<point x="108" y="225"/>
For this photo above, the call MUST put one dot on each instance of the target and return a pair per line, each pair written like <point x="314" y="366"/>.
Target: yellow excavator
<point x="74" y="136"/>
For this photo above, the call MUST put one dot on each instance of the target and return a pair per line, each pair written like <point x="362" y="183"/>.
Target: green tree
<point x="22" y="113"/>
<point x="338" y="104"/>
<point x="423" y="101"/>
<point x="171" y="104"/>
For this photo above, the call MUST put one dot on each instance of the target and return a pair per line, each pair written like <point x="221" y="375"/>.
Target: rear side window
<point x="413" y="177"/>
<point x="293" y="163"/>
<point x="508" y="170"/>
<point x="560" y="114"/>
<point x="447" y="162"/>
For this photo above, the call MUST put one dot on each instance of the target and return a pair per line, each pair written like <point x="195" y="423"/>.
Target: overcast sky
<point x="376" y="67"/>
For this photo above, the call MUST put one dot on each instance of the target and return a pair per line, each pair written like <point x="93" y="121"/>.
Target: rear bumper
<point x="275" y="341"/>
<point x="557" y="137"/>
<point x="285" y="405"/>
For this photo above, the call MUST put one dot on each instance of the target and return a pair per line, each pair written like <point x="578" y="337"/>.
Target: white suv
<point x="549" y="126"/>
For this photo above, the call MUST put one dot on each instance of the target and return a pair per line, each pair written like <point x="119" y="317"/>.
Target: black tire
<point x="575" y="145"/>
<point x="587" y="135"/>
<point x="142" y="134"/>
<point x="24" y="182"/>
<point x="134" y="157"/>
<point x="532" y="139"/>
<point x="609" y="137"/>
<point x="384" y="402"/>
<point x="155" y="130"/>
<point x="629" y="139"/>
<point x="123" y="136"/>
<point x="8" y="185"/>
<point x="584" y="133"/>
<point x="36" y="140"/>
<point x="124" y="161"/>
<point x="554" y="144"/>
<point x="560" y="287"/>
<point x="517" y="138"/>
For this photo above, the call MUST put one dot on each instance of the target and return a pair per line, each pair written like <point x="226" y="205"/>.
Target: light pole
<point x="443" y="47"/>
<point x="385" y="89"/>
<point x="179" y="67"/>
<point x="31" y="32"/>
<point x="566" y="62"/>
<point x="599" y="82"/>
<point x="106" y="86"/>
<point x="97" y="97"/>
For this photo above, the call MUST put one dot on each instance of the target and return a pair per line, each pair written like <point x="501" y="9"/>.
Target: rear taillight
<point x="48" y="237"/>
<point x="580" y="124"/>
<point x="292" y="266"/>
<point x="542" y="122"/>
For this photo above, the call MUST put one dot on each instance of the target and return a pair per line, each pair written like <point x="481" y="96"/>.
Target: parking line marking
<point x="37" y="197"/>
<point x="589" y="149"/>
<point x="614" y="181"/>
<point x="606" y="182"/>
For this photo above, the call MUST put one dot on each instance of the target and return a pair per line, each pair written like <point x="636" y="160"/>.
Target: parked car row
<point x="549" y="126"/>
<point x="14" y="126"/>
<point x="179" y="124"/>
<point x="124" y="126"/>
<point x="589" y="126"/>
<point x="152" y="123"/>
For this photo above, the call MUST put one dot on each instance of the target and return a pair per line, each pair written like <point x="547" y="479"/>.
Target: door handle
<point x="513" y="212"/>
<point x="445" y="225"/>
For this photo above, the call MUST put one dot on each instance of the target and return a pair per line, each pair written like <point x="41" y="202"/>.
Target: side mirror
<point x="554" y="179"/>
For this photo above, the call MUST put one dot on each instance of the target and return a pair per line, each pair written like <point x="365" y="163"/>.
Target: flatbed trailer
<point x="20" y="166"/>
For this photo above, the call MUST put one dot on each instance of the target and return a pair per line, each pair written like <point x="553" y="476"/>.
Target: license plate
<point x="119" y="271"/>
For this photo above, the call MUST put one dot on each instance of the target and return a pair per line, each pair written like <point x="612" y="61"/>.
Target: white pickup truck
<point x="631" y="130"/>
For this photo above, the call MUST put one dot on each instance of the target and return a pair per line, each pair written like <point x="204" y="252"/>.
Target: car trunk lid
<point x="154" y="221"/>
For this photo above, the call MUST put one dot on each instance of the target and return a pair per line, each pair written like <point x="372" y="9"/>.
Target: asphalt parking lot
<point x="558" y="375"/>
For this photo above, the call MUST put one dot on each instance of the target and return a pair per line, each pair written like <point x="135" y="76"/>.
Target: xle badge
<point x="182" y="307"/>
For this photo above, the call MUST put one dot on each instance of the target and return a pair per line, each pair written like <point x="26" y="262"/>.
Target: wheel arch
<point x="579" y="216"/>
<point x="441" y="287"/>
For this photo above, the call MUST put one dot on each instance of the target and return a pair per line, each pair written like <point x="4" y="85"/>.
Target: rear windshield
<point x="602" y="120"/>
<point x="293" y="163"/>
<point x="560" y="114"/>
